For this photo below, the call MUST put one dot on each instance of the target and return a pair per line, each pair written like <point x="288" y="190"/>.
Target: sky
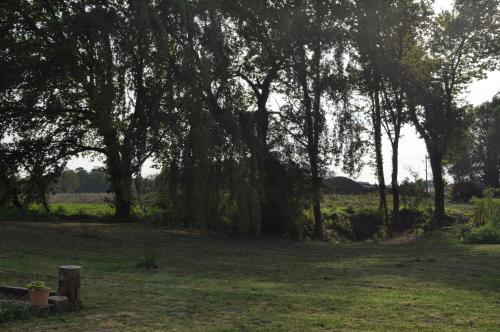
<point x="412" y="148"/>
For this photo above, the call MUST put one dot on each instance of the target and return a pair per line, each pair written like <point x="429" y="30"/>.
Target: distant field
<point x="227" y="284"/>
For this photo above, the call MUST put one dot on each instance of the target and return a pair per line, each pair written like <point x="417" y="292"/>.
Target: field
<point x="98" y="206"/>
<point x="237" y="284"/>
<point x="371" y="201"/>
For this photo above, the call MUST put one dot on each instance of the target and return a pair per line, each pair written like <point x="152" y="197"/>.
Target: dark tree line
<point x="243" y="105"/>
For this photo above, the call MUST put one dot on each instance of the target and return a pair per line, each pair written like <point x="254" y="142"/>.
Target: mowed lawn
<point x="237" y="284"/>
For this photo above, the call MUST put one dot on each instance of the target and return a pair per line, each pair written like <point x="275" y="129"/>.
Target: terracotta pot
<point x="39" y="298"/>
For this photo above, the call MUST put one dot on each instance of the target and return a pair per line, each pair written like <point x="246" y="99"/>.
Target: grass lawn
<point x="232" y="284"/>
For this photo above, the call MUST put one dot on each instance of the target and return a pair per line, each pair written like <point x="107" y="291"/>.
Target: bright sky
<point x="412" y="148"/>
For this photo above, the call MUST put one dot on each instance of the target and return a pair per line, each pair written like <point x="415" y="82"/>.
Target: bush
<point x="360" y="226"/>
<point x="338" y="225"/>
<point x="408" y="219"/>
<point x="13" y="311"/>
<point x="464" y="191"/>
<point x="365" y="225"/>
<point x="485" y="226"/>
<point x="412" y="193"/>
<point x="488" y="234"/>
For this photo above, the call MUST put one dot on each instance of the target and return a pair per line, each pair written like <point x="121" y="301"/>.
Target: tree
<point x="384" y="31"/>
<point x="440" y="69"/>
<point x="208" y="151"/>
<point x="486" y="133"/>
<point x="261" y="47"/>
<point x="478" y="158"/>
<point x="316" y="77"/>
<point x="35" y="156"/>
<point x="103" y="60"/>
<point x="68" y="182"/>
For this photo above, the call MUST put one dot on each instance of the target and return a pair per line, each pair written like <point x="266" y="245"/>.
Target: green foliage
<point x="485" y="225"/>
<point x="409" y="219"/>
<point x="413" y="194"/>
<point x="82" y="181"/>
<point x="479" y="159"/>
<point x="486" y="211"/>
<point x="37" y="285"/>
<point x="190" y="85"/>
<point x="487" y="234"/>
<point x="466" y="190"/>
<point x="352" y="225"/>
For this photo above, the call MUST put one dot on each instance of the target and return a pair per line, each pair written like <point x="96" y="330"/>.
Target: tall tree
<point x="478" y="159"/>
<point x="451" y="57"/>
<point x="262" y="40"/>
<point x="317" y="81"/>
<point x="384" y="31"/>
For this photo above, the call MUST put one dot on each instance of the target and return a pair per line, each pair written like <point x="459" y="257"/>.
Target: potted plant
<point x="39" y="293"/>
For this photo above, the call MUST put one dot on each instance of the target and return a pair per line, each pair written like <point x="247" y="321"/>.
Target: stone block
<point x="60" y="303"/>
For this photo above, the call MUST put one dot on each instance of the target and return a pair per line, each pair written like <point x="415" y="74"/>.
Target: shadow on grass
<point x="199" y="274"/>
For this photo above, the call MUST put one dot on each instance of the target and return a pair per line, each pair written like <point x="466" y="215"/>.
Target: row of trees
<point x="96" y="181"/>
<point x="81" y="181"/>
<point x="243" y="104"/>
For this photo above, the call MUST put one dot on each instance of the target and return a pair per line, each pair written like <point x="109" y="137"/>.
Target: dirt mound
<point x="343" y="186"/>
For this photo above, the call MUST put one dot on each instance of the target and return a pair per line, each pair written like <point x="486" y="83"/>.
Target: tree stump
<point x="69" y="283"/>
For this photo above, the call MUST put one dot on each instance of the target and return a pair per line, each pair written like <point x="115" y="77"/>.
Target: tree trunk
<point x="316" y="202"/>
<point x="16" y="202"/>
<point x="44" y="201"/>
<point x="69" y="283"/>
<point x="123" y="197"/>
<point x="262" y="123"/>
<point x="377" y="127"/>
<point x="437" y="173"/>
<point x="315" y="125"/>
<point x="395" y="182"/>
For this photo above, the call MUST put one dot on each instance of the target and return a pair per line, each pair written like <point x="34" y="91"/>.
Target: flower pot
<point x="39" y="297"/>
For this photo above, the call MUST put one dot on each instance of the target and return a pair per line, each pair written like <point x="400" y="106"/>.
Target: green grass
<point x="82" y="209"/>
<point x="236" y="284"/>
<point x="370" y="201"/>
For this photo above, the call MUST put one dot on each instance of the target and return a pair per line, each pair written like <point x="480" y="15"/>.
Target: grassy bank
<point x="215" y="283"/>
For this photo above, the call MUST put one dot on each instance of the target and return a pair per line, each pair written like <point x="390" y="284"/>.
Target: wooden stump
<point x="69" y="283"/>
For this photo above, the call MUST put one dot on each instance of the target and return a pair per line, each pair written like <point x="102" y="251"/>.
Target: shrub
<point x="485" y="226"/>
<point x="37" y="285"/>
<point x="487" y="234"/>
<point x="13" y="311"/>
<point x="359" y="226"/>
<point x="302" y="226"/>
<point x="412" y="193"/>
<point x="365" y="225"/>
<point x="408" y="219"/>
<point x="339" y="225"/>
<point x="464" y="191"/>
